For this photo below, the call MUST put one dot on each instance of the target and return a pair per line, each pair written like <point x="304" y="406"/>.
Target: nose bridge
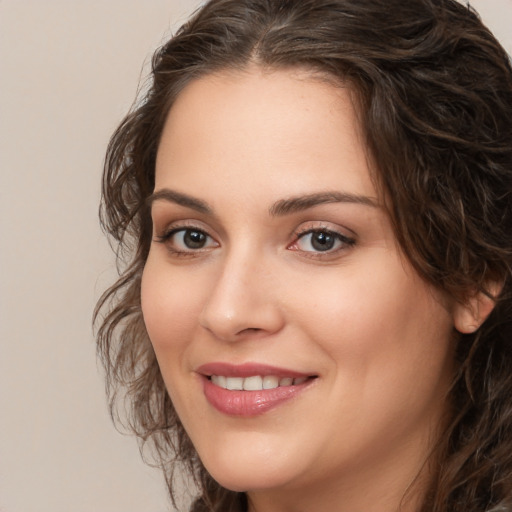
<point x="242" y="299"/>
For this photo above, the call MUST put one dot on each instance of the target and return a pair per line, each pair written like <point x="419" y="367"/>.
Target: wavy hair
<point x="435" y="95"/>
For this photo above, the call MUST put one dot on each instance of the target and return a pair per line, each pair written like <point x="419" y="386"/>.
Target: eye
<point x="322" y="241"/>
<point x="187" y="240"/>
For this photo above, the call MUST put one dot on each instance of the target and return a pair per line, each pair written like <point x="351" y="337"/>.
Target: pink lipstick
<point x="250" y="389"/>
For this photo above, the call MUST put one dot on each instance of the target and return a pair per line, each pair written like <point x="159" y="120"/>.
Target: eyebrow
<point x="278" y="209"/>
<point x="172" y="196"/>
<point x="301" y="203"/>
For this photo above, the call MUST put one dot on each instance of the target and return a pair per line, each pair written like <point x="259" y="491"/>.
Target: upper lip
<point x="247" y="370"/>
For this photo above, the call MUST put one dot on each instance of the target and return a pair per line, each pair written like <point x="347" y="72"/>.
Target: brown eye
<point x="322" y="241"/>
<point x="187" y="240"/>
<point x="194" y="239"/>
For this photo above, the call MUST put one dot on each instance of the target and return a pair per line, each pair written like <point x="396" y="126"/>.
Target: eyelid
<point x="163" y="229"/>
<point x="347" y="241"/>
<point x="168" y="233"/>
<point x="165" y="235"/>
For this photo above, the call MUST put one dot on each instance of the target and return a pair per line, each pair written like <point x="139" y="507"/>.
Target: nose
<point x="242" y="303"/>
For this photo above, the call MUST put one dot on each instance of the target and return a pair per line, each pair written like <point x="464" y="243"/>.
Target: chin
<point x="246" y="482"/>
<point x="245" y="474"/>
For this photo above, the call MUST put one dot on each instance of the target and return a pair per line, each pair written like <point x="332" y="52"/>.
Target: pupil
<point x="194" y="239"/>
<point x="322" y="241"/>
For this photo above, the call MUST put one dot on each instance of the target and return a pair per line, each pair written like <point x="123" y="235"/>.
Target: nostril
<point x="249" y="329"/>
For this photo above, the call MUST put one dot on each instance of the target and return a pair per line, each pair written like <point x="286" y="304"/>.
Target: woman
<point x="315" y="311"/>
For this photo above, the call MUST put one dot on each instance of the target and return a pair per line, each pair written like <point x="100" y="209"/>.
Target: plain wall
<point x="69" y="70"/>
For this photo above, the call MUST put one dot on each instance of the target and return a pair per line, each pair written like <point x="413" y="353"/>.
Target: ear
<point x="470" y="315"/>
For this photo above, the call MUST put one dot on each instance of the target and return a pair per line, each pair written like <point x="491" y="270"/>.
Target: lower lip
<point x="249" y="403"/>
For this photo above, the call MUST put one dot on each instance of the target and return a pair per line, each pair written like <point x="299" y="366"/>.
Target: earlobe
<point x="470" y="315"/>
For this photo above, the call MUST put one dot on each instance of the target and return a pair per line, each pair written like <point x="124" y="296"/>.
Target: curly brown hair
<point x="435" y="91"/>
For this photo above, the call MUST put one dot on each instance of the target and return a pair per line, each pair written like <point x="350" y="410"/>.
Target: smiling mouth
<point x="251" y="389"/>
<point x="252" y="395"/>
<point x="256" y="382"/>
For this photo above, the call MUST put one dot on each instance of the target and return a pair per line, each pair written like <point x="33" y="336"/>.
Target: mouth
<point x="256" y="382"/>
<point x="251" y="389"/>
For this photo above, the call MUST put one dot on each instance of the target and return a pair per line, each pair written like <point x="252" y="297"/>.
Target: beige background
<point x="69" y="70"/>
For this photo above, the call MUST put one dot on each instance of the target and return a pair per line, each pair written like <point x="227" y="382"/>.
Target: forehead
<point x="286" y="128"/>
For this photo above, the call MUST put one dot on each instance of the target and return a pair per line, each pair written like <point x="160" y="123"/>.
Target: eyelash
<point x="167" y="236"/>
<point x="344" y="242"/>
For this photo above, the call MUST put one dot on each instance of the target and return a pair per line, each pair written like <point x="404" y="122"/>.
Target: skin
<point x="378" y="338"/>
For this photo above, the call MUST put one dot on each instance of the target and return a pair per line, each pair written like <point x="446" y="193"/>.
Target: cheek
<point x="169" y="307"/>
<point x="384" y="328"/>
<point x="387" y="304"/>
<point x="388" y="340"/>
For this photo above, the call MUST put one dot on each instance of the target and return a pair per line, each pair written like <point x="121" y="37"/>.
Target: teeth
<point x="255" y="383"/>
<point x="270" y="382"/>
<point x="219" y="380"/>
<point x="235" y="383"/>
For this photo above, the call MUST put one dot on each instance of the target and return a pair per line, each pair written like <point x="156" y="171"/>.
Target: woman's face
<point x="274" y="268"/>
